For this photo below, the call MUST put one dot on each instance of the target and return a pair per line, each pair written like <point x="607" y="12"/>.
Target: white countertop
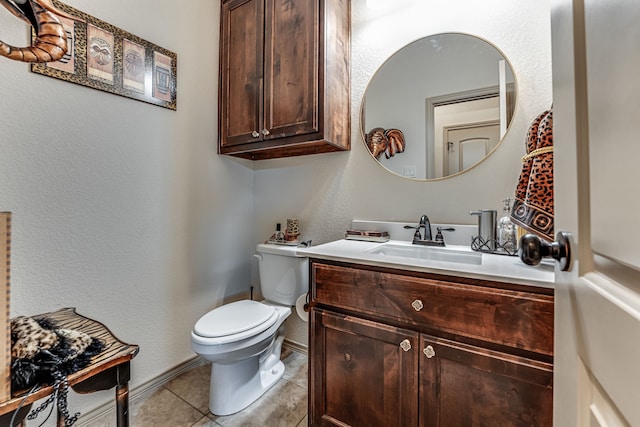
<point x="500" y="268"/>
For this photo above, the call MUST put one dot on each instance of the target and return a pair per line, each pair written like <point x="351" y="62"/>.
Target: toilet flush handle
<point x="259" y="256"/>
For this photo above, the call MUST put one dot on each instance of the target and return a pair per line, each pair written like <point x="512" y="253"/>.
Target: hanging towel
<point x="533" y="206"/>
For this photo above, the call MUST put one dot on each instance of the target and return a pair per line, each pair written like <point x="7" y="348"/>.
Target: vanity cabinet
<point x="284" y="78"/>
<point x="398" y="348"/>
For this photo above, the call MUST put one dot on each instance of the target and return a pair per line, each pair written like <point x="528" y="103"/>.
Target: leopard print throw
<point x="29" y="338"/>
<point x="41" y="352"/>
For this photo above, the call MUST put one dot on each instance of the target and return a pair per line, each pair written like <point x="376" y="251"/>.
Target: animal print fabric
<point x="29" y="338"/>
<point x="533" y="208"/>
<point x="41" y="352"/>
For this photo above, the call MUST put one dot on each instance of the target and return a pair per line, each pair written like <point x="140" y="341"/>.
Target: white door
<point x="468" y="145"/>
<point x="596" y="86"/>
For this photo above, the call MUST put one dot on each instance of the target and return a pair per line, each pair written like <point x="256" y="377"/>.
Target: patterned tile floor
<point x="183" y="402"/>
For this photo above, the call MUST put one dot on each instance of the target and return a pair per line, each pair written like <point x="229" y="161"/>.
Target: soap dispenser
<point x="507" y="230"/>
<point x="486" y="239"/>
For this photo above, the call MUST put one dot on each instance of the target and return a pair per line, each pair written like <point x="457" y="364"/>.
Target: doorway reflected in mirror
<point x="452" y="94"/>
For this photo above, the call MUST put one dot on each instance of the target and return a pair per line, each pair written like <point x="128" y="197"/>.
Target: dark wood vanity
<point x="284" y="78"/>
<point x="391" y="347"/>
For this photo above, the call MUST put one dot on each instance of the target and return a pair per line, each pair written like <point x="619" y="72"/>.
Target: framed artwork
<point x="104" y="57"/>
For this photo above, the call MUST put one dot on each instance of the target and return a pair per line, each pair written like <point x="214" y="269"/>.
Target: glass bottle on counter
<point x="507" y="239"/>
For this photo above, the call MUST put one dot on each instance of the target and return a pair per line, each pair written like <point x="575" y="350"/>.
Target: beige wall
<point x="122" y="209"/>
<point x="327" y="191"/>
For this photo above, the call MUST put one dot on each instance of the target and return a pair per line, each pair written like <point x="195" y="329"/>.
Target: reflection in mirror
<point x="450" y="96"/>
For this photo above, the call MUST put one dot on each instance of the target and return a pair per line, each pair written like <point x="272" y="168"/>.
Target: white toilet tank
<point x="284" y="275"/>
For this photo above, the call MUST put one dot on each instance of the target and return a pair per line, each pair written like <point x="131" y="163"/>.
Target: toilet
<point x="243" y="339"/>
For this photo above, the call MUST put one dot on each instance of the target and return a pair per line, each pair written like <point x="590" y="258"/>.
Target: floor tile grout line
<point x="185" y="401"/>
<point x="299" y="423"/>
<point x="215" y="424"/>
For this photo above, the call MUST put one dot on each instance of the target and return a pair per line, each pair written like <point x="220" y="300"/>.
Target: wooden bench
<point x="108" y="369"/>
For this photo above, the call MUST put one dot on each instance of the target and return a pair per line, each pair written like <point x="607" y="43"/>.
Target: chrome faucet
<point x="426" y="224"/>
<point x="427" y="240"/>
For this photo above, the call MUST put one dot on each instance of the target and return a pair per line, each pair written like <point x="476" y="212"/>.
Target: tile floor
<point x="183" y="402"/>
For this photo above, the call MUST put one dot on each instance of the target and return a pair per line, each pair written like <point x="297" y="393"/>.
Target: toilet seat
<point x="236" y="321"/>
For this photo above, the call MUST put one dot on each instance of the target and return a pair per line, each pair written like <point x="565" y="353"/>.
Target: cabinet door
<point x="284" y="78"/>
<point x="362" y="373"/>
<point x="241" y="60"/>
<point x="462" y="385"/>
<point x="291" y="67"/>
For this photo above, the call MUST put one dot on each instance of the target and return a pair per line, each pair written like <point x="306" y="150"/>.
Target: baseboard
<point x="292" y="345"/>
<point x="141" y="391"/>
<point x="146" y="389"/>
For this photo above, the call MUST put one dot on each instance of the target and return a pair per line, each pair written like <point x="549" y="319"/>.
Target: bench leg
<point x="18" y="420"/>
<point x="122" y="405"/>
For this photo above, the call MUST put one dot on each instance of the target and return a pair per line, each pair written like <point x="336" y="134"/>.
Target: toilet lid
<point x="234" y="318"/>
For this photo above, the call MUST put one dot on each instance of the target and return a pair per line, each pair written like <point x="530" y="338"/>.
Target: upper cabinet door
<point x="241" y="62"/>
<point x="284" y="78"/>
<point x="291" y="67"/>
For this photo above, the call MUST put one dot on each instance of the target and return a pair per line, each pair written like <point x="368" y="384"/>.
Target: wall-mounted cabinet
<point x="396" y="348"/>
<point x="284" y="78"/>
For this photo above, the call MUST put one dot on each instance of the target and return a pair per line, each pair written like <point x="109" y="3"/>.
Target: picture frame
<point x="5" y="322"/>
<point x="104" y="57"/>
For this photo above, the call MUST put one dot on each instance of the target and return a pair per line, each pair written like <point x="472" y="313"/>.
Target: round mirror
<point x="438" y="106"/>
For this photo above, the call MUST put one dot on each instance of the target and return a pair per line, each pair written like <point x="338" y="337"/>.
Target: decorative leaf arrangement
<point x="390" y="142"/>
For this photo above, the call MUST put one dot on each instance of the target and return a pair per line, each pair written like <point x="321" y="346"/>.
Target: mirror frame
<point x="363" y="134"/>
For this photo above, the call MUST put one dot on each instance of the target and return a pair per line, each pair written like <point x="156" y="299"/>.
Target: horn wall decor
<point x="50" y="43"/>
<point x="95" y="54"/>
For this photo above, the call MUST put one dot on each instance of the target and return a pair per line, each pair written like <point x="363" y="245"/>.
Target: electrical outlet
<point x="410" y="171"/>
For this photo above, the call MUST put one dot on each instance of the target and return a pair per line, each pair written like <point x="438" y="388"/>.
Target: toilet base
<point x="236" y="386"/>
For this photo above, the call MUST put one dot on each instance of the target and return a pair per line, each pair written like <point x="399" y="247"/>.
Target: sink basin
<point x="428" y="253"/>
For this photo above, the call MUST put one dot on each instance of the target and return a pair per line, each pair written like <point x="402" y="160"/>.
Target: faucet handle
<point x="416" y="235"/>
<point x="439" y="236"/>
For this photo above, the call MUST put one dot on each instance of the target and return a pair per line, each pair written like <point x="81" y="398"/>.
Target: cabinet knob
<point x="429" y="352"/>
<point x="265" y="132"/>
<point x="405" y="345"/>
<point x="255" y="134"/>
<point x="417" y="305"/>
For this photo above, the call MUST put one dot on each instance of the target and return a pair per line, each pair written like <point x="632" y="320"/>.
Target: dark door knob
<point x="533" y="249"/>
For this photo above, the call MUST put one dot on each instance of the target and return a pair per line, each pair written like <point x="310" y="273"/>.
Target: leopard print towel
<point x="533" y="206"/>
